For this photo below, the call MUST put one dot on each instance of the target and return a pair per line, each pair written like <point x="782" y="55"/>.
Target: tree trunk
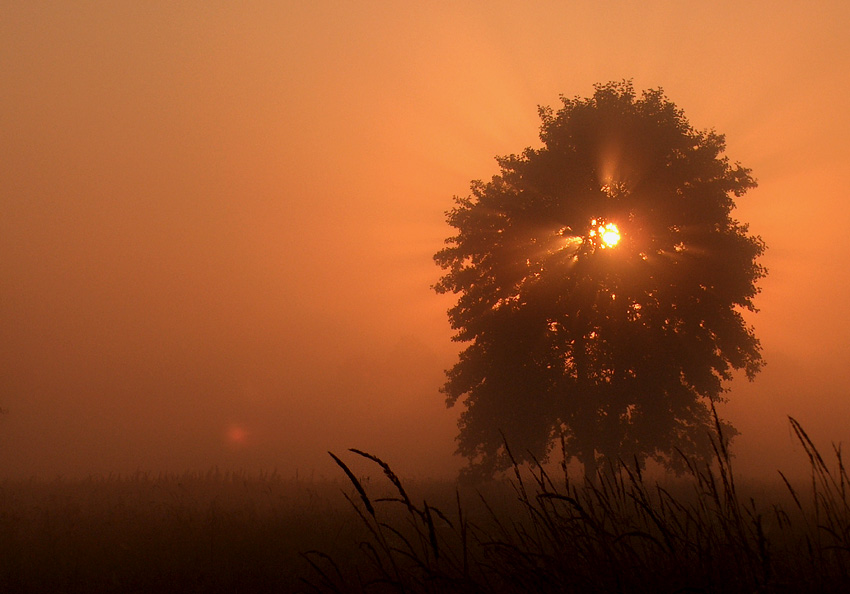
<point x="588" y="460"/>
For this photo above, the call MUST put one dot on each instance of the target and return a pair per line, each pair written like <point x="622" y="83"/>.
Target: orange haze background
<point x="217" y="218"/>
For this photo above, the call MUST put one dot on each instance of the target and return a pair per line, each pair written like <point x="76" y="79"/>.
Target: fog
<point x="217" y="220"/>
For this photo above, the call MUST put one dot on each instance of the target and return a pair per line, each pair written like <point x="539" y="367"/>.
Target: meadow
<point x="214" y="532"/>
<point x="370" y="531"/>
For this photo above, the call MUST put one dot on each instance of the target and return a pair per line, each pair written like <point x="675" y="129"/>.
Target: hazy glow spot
<point x="236" y="435"/>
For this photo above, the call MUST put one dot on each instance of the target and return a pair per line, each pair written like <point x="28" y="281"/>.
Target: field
<point x="537" y="531"/>
<point x="219" y="532"/>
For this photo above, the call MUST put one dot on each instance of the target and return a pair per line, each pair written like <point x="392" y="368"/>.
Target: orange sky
<point x="217" y="219"/>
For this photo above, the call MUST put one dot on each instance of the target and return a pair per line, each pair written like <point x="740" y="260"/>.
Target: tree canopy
<point x="601" y="280"/>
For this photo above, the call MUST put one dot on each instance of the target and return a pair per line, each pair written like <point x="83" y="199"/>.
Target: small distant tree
<point x="600" y="282"/>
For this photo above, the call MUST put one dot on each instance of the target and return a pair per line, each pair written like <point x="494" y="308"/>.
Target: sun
<point x="608" y="233"/>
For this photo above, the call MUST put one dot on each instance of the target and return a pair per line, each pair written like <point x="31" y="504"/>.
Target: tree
<point x="601" y="281"/>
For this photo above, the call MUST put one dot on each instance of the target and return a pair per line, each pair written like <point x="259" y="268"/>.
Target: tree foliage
<point x="615" y="351"/>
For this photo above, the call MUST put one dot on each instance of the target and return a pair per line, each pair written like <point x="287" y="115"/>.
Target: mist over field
<point x="217" y="221"/>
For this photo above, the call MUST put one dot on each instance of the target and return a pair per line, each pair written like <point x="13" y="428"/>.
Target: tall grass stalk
<point x="619" y="533"/>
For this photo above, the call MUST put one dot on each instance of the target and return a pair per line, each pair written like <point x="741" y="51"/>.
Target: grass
<point x="218" y="532"/>
<point x="539" y="531"/>
<point x="621" y="533"/>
